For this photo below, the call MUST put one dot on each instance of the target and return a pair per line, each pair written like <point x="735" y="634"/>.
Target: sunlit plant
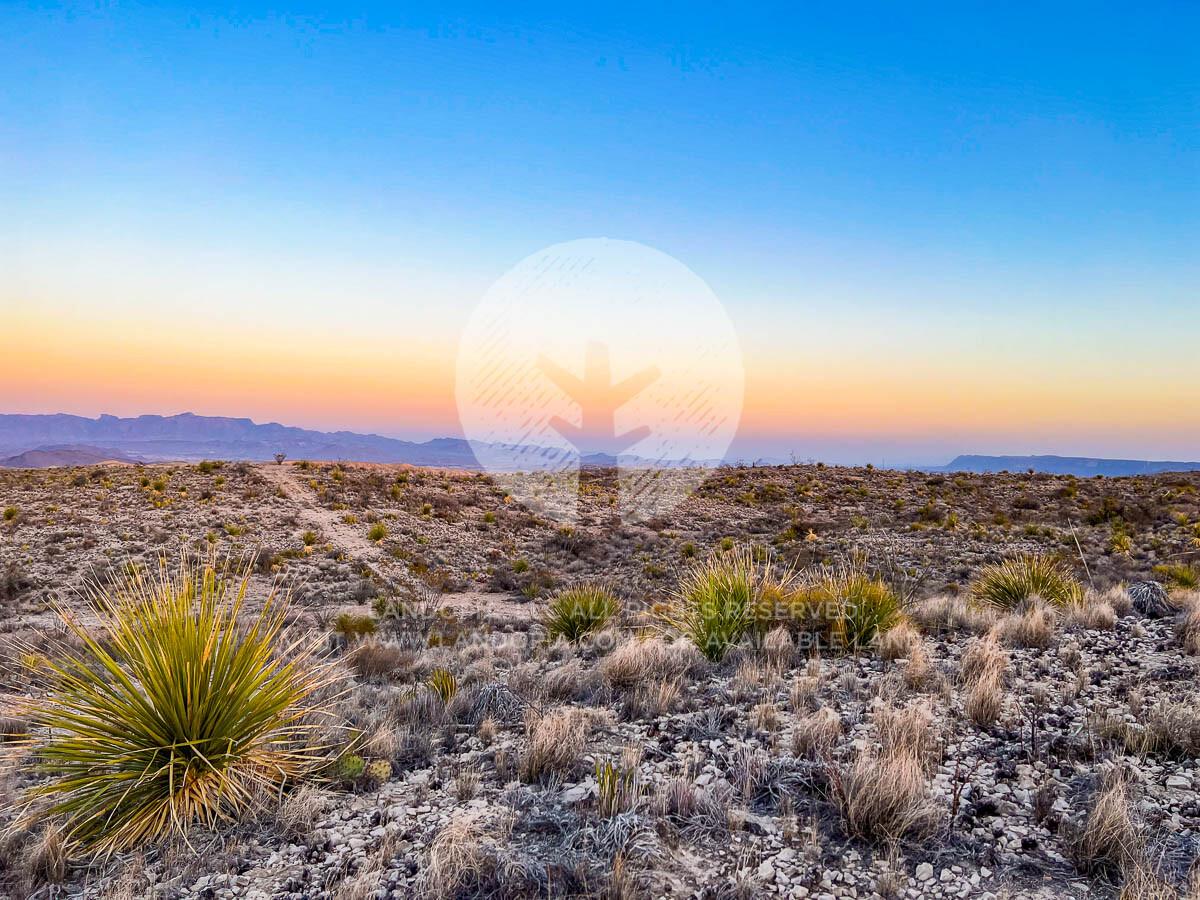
<point x="183" y="707"/>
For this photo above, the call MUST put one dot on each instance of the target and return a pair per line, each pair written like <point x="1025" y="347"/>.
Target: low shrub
<point x="576" y="612"/>
<point x="1007" y="584"/>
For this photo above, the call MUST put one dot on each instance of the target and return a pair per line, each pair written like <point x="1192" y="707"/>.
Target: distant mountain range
<point x="1064" y="465"/>
<point x="191" y="437"/>
<point x="37" y="441"/>
<point x="61" y="440"/>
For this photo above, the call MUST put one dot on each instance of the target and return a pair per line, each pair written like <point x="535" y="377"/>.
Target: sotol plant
<point x="715" y="602"/>
<point x="183" y="707"/>
<point x="1007" y="584"/>
<point x="576" y="612"/>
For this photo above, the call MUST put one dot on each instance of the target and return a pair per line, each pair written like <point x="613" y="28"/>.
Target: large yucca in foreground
<point x="177" y="710"/>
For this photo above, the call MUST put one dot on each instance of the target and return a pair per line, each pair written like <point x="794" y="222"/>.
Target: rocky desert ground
<point x="1036" y="747"/>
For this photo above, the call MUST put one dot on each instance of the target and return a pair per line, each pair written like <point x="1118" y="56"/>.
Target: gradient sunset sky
<point x="936" y="228"/>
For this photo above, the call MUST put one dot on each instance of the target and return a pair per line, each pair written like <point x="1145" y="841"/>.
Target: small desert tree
<point x="279" y="458"/>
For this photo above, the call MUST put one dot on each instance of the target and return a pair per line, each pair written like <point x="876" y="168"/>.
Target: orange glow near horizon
<point x="298" y="375"/>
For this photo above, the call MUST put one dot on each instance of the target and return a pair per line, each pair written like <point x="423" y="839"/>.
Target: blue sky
<point x="943" y="190"/>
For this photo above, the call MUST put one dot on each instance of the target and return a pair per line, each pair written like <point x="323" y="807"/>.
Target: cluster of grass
<point x="184" y="708"/>
<point x="1008" y="584"/>
<point x="730" y="596"/>
<point x="714" y="604"/>
<point x="576" y="612"/>
<point x="1178" y="576"/>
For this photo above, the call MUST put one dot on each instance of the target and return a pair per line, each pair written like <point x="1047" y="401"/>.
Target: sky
<point x="936" y="228"/>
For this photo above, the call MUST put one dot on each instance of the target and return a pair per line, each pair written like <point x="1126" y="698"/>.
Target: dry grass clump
<point x="577" y="612"/>
<point x="981" y="655"/>
<point x="778" y="648"/>
<point x="299" y="812"/>
<point x="636" y="661"/>
<point x="946" y="615"/>
<point x="1188" y="630"/>
<point x="651" y="699"/>
<point x="373" y="658"/>
<point x="1139" y="882"/>
<point x="920" y="673"/>
<point x="803" y="694"/>
<point x="459" y="864"/>
<point x="814" y="735"/>
<point x="1172" y="727"/>
<point x="1093" y="614"/>
<point x="556" y="742"/>
<point x="185" y="708"/>
<point x="899" y="642"/>
<point x="1118" y="598"/>
<point x="1007" y="584"/>
<point x="982" y="671"/>
<point x="1030" y="624"/>
<point x="1110" y="838"/>
<point x="884" y="794"/>
<point x="45" y="857"/>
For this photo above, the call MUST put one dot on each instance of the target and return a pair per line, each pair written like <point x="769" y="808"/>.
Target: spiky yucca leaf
<point x="578" y="611"/>
<point x="715" y="603"/>
<point x="178" y="711"/>
<point x="1007" y="584"/>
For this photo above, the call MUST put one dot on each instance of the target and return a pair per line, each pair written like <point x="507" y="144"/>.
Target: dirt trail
<point x="350" y="539"/>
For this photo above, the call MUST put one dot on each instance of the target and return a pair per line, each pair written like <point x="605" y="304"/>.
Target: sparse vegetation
<point x="987" y="724"/>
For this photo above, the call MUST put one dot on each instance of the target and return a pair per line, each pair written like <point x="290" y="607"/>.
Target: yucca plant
<point x="866" y="607"/>
<point x="443" y="683"/>
<point x="183" y="707"/>
<point x="715" y="603"/>
<point x="576" y="612"/>
<point x="1007" y="584"/>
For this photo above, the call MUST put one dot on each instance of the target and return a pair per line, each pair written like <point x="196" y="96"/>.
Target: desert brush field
<point x="318" y="680"/>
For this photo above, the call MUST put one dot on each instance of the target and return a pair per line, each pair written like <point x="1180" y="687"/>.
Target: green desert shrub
<point x="181" y="707"/>
<point x="443" y="683"/>
<point x="714" y="604"/>
<point x="576" y="612"/>
<point x="867" y="606"/>
<point x="377" y="532"/>
<point x="1178" y="576"/>
<point x="842" y="607"/>
<point x="352" y="626"/>
<point x="1008" y="584"/>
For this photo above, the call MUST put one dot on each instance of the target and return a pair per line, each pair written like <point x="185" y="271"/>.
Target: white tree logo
<point x="599" y="352"/>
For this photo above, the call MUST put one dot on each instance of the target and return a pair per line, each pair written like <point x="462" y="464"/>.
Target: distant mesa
<point x="1081" y="466"/>
<point x="188" y="437"/>
<point x="65" y="455"/>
